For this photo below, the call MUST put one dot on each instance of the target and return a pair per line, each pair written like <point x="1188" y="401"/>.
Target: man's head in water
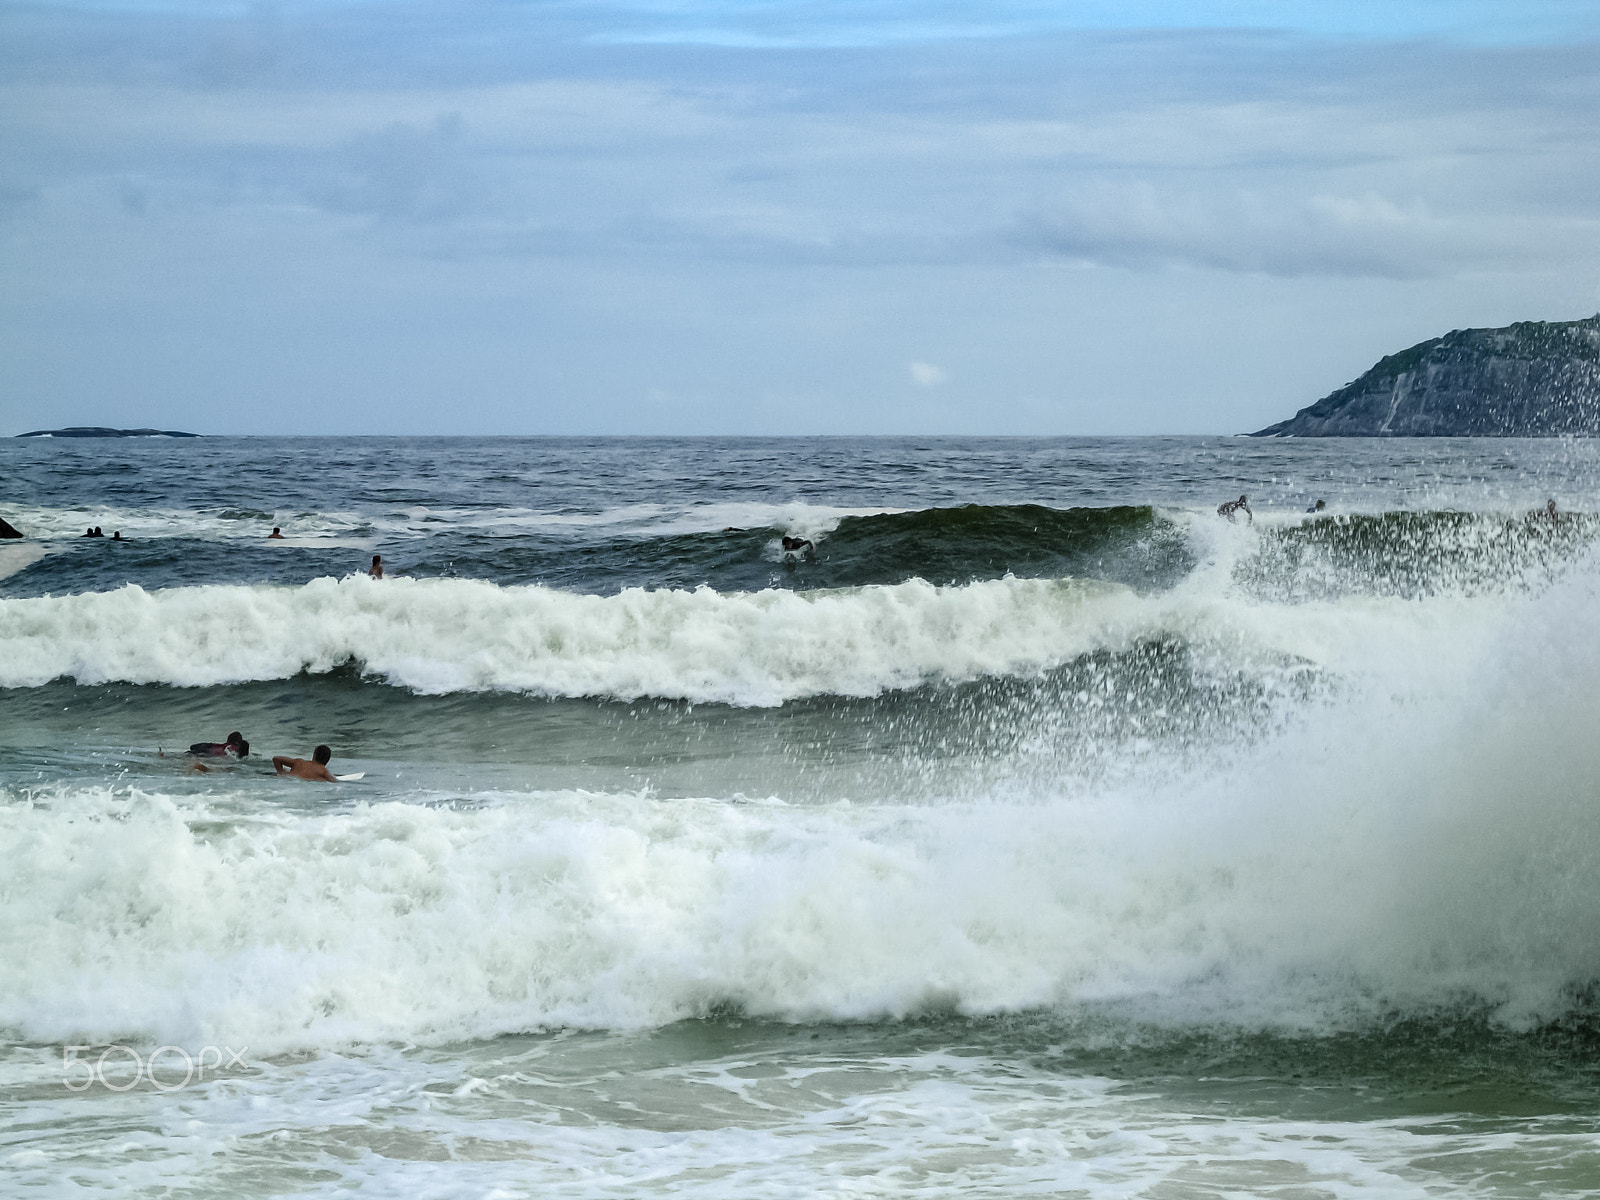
<point x="321" y="755"/>
<point x="237" y="744"/>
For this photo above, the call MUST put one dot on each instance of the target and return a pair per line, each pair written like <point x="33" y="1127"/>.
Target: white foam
<point x="762" y="648"/>
<point x="1427" y="838"/>
<point x="361" y="529"/>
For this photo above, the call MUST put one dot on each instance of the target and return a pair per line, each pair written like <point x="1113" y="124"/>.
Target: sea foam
<point x="748" y="648"/>
<point x="1412" y="847"/>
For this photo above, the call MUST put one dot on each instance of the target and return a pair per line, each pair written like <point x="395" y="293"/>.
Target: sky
<point x="769" y="217"/>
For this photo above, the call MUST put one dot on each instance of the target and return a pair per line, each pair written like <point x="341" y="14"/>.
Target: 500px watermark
<point x="81" y="1074"/>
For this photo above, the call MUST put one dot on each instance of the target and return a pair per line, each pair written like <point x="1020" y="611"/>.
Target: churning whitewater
<point x="1025" y="798"/>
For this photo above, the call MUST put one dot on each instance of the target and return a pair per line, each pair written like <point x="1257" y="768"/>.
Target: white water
<point x="760" y="648"/>
<point x="350" y="528"/>
<point x="1426" y="839"/>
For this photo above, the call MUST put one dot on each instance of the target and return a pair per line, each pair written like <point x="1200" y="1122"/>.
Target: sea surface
<point x="1037" y="832"/>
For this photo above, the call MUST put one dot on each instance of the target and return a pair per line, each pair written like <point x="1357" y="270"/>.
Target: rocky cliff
<point x="1531" y="379"/>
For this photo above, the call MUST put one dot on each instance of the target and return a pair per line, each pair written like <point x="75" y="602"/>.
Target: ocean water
<point x="1038" y="832"/>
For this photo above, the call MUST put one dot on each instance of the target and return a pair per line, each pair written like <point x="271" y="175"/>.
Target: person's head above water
<point x="321" y="755"/>
<point x="240" y="746"/>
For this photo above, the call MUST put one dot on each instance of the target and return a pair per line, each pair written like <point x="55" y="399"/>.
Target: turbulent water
<point x="1036" y="831"/>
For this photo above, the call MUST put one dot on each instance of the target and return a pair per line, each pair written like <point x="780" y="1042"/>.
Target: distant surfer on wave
<point x="1232" y="508"/>
<point x="796" y="545"/>
<point x="314" y="768"/>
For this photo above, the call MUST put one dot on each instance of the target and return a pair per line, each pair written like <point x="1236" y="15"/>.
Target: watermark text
<point x="166" y="1068"/>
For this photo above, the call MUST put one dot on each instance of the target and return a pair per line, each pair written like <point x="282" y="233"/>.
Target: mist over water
<point x="1035" y="829"/>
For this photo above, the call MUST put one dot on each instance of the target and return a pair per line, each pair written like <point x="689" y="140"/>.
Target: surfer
<point x="235" y="745"/>
<point x="116" y="535"/>
<point x="1232" y="507"/>
<point x="377" y="567"/>
<point x="797" y="545"/>
<point x="275" y="535"/>
<point x="1318" y="506"/>
<point x="314" y="768"/>
<point x="93" y="531"/>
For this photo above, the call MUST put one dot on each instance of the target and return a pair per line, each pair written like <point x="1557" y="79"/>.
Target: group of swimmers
<point x="96" y="531"/>
<point x="315" y="767"/>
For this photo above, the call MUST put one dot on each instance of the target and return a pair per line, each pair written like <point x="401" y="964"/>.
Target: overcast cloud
<point x="769" y="218"/>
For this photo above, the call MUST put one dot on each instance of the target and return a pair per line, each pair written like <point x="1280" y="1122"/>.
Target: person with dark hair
<point x="1231" y="508"/>
<point x="797" y="545"/>
<point x="377" y="567"/>
<point x="276" y="535"/>
<point x="116" y="536"/>
<point x="93" y="531"/>
<point x="235" y="745"/>
<point x="299" y="768"/>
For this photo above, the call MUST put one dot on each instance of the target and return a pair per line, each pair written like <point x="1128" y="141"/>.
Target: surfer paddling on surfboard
<point x="316" y="767"/>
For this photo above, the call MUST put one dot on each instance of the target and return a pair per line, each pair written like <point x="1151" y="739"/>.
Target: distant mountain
<point x="1531" y="379"/>
<point x="103" y="431"/>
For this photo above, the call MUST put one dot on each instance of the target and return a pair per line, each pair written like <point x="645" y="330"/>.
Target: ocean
<point x="1034" y="832"/>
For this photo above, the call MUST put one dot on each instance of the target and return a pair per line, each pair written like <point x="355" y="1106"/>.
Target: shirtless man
<point x="314" y="768"/>
<point x="1231" y="507"/>
<point x="276" y="535"/>
<point x="377" y="567"/>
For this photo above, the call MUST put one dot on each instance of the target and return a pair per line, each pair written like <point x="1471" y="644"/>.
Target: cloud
<point x="926" y="374"/>
<point x="1273" y="233"/>
<point x="401" y="172"/>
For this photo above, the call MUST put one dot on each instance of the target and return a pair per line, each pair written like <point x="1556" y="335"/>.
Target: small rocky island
<point x="1531" y="379"/>
<point x="101" y="431"/>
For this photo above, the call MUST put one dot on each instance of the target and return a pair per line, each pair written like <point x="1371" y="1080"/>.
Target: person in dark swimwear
<point x="1318" y="506"/>
<point x="235" y="745"/>
<point x="797" y="544"/>
<point x="377" y="567"/>
<point x="116" y="536"/>
<point x="275" y="535"/>
<point x="1232" y="508"/>
<point x="93" y="531"/>
<point x="299" y="768"/>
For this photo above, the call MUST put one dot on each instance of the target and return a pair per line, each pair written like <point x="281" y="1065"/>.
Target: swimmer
<point x="276" y="535"/>
<point x="377" y="567"/>
<point x="1232" y="507"/>
<point x="116" y="536"/>
<point x="314" y="768"/>
<point x="797" y="544"/>
<point x="93" y="531"/>
<point x="235" y="745"/>
<point x="1318" y="506"/>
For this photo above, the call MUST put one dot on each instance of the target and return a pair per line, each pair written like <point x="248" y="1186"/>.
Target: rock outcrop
<point x="1531" y="379"/>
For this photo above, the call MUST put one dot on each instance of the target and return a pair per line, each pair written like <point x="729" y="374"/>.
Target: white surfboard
<point x="351" y="778"/>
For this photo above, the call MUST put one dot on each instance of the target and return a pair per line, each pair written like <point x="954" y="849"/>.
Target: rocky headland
<point x="1531" y="379"/>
